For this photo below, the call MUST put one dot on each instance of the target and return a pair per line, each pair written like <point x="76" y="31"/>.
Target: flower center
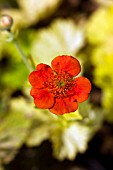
<point x="60" y="84"/>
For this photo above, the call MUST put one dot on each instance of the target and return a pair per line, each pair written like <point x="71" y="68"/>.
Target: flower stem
<point x="24" y="58"/>
<point x="11" y="38"/>
<point x="6" y="23"/>
<point x="32" y="61"/>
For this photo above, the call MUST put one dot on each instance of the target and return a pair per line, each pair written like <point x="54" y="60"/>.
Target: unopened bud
<point x="6" y="22"/>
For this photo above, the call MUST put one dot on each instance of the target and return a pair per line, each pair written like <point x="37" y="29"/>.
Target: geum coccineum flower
<point x="56" y="88"/>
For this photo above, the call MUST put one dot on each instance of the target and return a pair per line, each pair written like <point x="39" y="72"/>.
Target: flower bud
<point x="6" y="22"/>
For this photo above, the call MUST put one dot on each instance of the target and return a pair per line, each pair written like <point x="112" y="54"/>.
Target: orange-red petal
<point x="80" y="97"/>
<point x="38" y="77"/>
<point x="82" y="89"/>
<point x="82" y="84"/>
<point x="42" y="98"/>
<point x="67" y="64"/>
<point x="63" y="106"/>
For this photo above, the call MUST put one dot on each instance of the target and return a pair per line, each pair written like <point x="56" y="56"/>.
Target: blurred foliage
<point x="53" y="128"/>
<point x="21" y="123"/>
<point x="61" y="37"/>
<point x="101" y="40"/>
<point x="29" y="12"/>
<point x="13" y="130"/>
<point x="102" y="18"/>
<point x="104" y="2"/>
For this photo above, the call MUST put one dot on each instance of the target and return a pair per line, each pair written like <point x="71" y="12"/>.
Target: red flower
<point x="57" y="89"/>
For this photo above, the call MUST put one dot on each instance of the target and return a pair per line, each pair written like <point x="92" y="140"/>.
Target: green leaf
<point x="38" y="134"/>
<point x="69" y="141"/>
<point x="67" y="136"/>
<point x="102" y="54"/>
<point x="72" y="116"/>
<point x="62" y="37"/>
<point x="39" y="8"/>
<point x="42" y="121"/>
<point x="103" y="18"/>
<point x="14" y="127"/>
<point x="15" y="123"/>
<point x="102" y="59"/>
<point x="56" y="140"/>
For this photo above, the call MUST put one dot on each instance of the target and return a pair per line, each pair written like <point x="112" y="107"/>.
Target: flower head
<point x="6" y="22"/>
<point x="56" y="88"/>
